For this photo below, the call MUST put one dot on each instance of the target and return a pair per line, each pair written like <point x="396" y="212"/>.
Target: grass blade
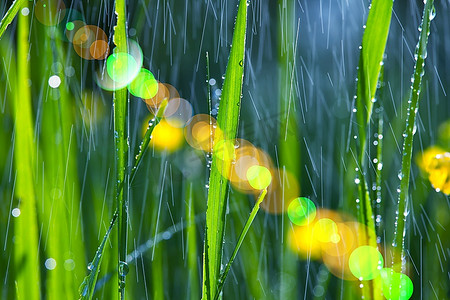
<point x="10" y="14"/>
<point x="289" y="133"/>
<point x="121" y="147"/>
<point x="413" y="106"/>
<point x="370" y="62"/>
<point x="371" y="57"/>
<point x="227" y="121"/>
<point x="26" y="250"/>
<point x="239" y="242"/>
<point x="88" y="285"/>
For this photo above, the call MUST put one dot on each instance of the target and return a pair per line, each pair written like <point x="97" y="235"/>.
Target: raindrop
<point x="123" y="268"/>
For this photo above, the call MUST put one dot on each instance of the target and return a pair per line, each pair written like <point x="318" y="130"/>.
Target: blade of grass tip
<point x="239" y="243"/>
<point x="370" y="62"/>
<point x="227" y="121"/>
<point x="371" y="57"/>
<point x="88" y="285"/>
<point x="10" y="15"/>
<point x="413" y="106"/>
<point x="26" y="250"/>
<point x="289" y="133"/>
<point x="121" y="149"/>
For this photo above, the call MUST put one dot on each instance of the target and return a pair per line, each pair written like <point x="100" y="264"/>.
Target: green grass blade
<point x="194" y="291"/>
<point x="413" y="106"/>
<point x="247" y="225"/>
<point x="371" y="57"/>
<point x="227" y="121"/>
<point x="289" y="132"/>
<point x="88" y="285"/>
<point x="370" y="62"/>
<point x="10" y="14"/>
<point x="26" y="250"/>
<point x="121" y="146"/>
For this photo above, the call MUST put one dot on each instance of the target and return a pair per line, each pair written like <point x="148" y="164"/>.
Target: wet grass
<point x="92" y="209"/>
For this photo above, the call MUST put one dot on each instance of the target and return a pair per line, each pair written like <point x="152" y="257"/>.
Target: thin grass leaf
<point x="247" y="225"/>
<point x="370" y="62"/>
<point x="289" y="132"/>
<point x="10" y="14"/>
<point x="413" y="106"/>
<point x="227" y="121"/>
<point x="194" y="284"/>
<point x="26" y="247"/>
<point x="371" y="57"/>
<point x="121" y="147"/>
<point x="89" y="282"/>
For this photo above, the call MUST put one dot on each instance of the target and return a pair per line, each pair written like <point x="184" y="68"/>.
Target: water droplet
<point x="123" y="268"/>
<point x="241" y="63"/>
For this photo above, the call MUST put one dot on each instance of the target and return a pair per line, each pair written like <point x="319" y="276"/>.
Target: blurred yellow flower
<point x="425" y="158"/>
<point x="439" y="172"/>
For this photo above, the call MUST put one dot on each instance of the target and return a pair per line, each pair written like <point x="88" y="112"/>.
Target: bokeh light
<point x="281" y="191"/>
<point x="365" y="262"/>
<point x="144" y="85"/>
<point x="301" y="211"/>
<point x="396" y="285"/>
<point x="326" y="230"/>
<point x="200" y="132"/>
<point x="121" y="68"/>
<point x="50" y="12"/>
<point x="178" y="112"/>
<point x="302" y="241"/>
<point x="90" y="42"/>
<point x="166" y="137"/>
<point x="259" y="177"/>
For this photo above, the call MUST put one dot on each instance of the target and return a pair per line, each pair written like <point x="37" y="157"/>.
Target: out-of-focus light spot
<point x="200" y="132"/>
<point x="325" y="230"/>
<point x="178" y="111"/>
<point x="365" y="262"/>
<point x="396" y="285"/>
<point x="144" y="85"/>
<point x="69" y="71"/>
<point x="166" y="137"/>
<point x="50" y="12"/>
<point x="15" y="212"/>
<point x="50" y="263"/>
<point x="90" y="42"/>
<point x="259" y="177"/>
<point x="303" y="242"/>
<point x="54" y="81"/>
<point x="99" y="49"/>
<point x="212" y="81"/>
<point x="70" y="26"/>
<point x="25" y="11"/>
<point x="162" y="94"/>
<point x="69" y="264"/>
<point x="281" y="191"/>
<point x="120" y="66"/>
<point x="301" y="211"/>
